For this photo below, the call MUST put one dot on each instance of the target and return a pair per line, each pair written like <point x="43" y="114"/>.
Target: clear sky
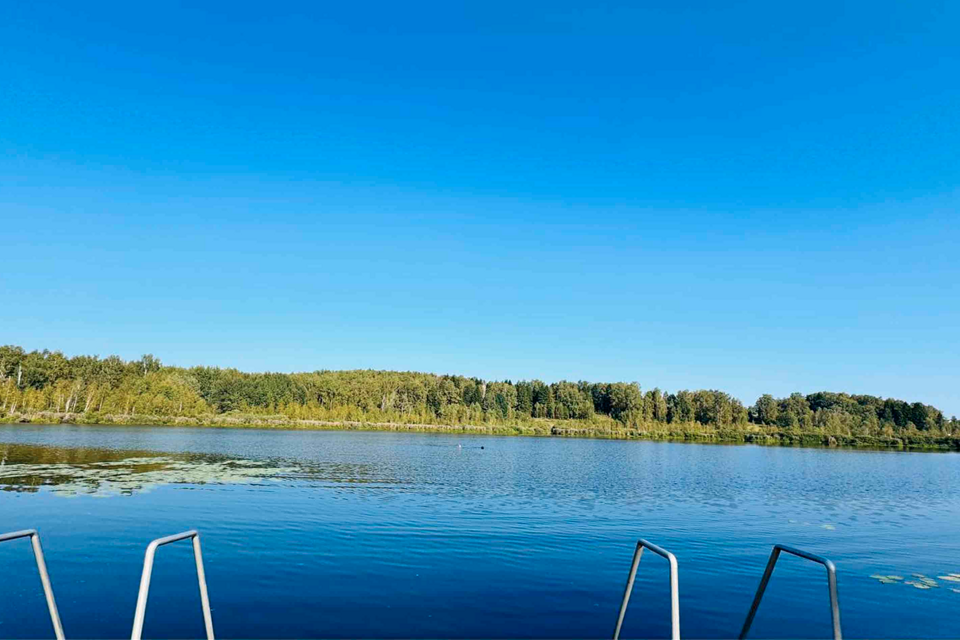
<point x="752" y="196"/>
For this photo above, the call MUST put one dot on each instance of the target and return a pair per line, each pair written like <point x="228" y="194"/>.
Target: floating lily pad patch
<point x="919" y="581"/>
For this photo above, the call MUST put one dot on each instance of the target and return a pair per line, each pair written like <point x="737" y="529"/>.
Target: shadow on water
<point x="70" y="471"/>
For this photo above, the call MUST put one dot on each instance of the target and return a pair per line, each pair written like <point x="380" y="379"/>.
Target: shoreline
<point x="692" y="433"/>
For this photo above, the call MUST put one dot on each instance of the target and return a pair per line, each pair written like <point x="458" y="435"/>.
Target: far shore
<point x="693" y="433"/>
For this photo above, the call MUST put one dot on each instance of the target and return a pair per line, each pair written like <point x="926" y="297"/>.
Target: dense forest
<point x="45" y="386"/>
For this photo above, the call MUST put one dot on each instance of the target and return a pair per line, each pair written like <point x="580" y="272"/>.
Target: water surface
<point x="386" y="535"/>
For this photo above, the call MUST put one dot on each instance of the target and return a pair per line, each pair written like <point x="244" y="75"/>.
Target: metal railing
<point x="831" y="584"/>
<point x="44" y="576"/>
<point x="141" y="611"/>
<point x="148" y="561"/>
<point x="674" y="588"/>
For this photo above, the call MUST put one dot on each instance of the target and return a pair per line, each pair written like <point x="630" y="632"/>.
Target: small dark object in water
<point x="481" y="446"/>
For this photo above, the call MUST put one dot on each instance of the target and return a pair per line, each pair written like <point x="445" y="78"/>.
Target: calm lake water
<point x="385" y="535"/>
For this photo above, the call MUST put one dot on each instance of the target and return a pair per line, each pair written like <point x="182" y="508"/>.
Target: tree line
<point x="47" y="381"/>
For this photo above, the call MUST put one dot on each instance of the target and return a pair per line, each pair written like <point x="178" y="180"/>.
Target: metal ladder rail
<point x="831" y="584"/>
<point x="44" y="576"/>
<point x="141" y="611"/>
<point x="674" y="588"/>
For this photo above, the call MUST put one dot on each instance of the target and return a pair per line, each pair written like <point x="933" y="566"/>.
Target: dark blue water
<point x="383" y="535"/>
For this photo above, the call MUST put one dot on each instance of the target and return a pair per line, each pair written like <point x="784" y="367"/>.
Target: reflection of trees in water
<point x="106" y="472"/>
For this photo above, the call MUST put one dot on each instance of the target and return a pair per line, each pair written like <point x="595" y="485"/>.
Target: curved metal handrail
<point x="44" y="576"/>
<point x="831" y="584"/>
<point x="141" y="611"/>
<point x="674" y="588"/>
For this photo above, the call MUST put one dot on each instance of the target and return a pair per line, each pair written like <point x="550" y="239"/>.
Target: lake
<point x="393" y="535"/>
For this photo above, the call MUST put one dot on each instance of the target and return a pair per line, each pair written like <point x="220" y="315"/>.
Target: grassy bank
<point x="690" y="432"/>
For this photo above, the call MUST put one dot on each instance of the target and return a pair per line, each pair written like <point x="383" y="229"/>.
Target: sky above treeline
<point x="760" y="197"/>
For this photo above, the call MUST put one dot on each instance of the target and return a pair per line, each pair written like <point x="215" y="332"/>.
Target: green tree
<point x="766" y="410"/>
<point x="625" y="400"/>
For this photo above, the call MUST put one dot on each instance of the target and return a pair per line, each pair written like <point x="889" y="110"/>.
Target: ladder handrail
<point x="674" y="587"/>
<point x="141" y="611"/>
<point x="831" y="585"/>
<point x="44" y="576"/>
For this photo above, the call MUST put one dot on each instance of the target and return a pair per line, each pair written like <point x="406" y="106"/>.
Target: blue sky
<point x="759" y="198"/>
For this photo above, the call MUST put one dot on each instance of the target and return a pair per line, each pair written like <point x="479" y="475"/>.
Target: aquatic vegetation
<point x="921" y="581"/>
<point x="70" y="472"/>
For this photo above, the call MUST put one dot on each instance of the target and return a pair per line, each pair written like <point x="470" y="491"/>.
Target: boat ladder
<point x="44" y="576"/>
<point x="831" y="585"/>
<point x="141" y="611"/>
<point x="145" y="578"/>
<point x="771" y="563"/>
<point x="674" y="588"/>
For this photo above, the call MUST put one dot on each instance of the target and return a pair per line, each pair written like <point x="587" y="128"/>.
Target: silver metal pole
<point x="141" y="611"/>
<point x="674" y="588"/>
<point x="831" y="586"/>
<point x="771" y="563"/>
<point x="44" y="576"/>
<point x="834" y="599"/>
<point x="204" y="597"/>
<point x="674" y="598"/>
<point x="629" y="589"/>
